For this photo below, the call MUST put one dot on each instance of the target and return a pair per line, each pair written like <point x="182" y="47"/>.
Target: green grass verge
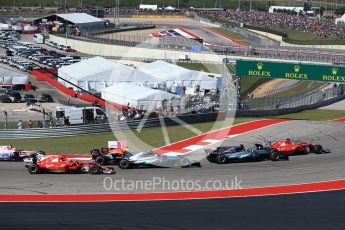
<point x="236" y="36"/>
<point x="152" y="136"/>
<point x="13" y="125"/>
<point x="83" y="144"/>
<point x="315" y="115"/>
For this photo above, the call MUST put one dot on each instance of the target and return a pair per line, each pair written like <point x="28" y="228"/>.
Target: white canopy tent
<point x="140" y="97"/>
<point x="174" y="75"/>
<point x="148" y="7"/>
<point x="290" y="8"/>
<point x="8" y="77"/>
<point x="97" y="73"/>
<point x="340" y="20"/>
<point x="170" y="8"/>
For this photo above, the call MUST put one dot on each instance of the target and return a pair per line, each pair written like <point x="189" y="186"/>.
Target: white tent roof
<point x="164" y="70"/>
<point x="100" y="69"/>
<point x="79" y="18"/>
<point x="173" y="73"/>
<point x="148" y="7"/>
<point x="292" y="8"/>
<point x="123" y="93"/>
<point x="169" y="8"/>
<point x="92" y="67"/>
<point x="341" y="19"/>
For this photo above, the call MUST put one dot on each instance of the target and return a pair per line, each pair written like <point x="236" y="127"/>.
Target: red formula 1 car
<point x="289" y="147"/>
<point x="59" y="163"/>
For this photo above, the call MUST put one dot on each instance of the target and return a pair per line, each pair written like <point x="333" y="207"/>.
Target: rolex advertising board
<point x="296" y="71"/>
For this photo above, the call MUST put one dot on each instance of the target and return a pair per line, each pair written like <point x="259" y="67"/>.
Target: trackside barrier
<point x="313" y="97"/>
<point x="282" y="111"/>
<point x="104" y="128"/>
<point x="42" y="75"/>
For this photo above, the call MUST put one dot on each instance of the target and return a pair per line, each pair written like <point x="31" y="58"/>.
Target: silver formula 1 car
<point x="150" y="159"/>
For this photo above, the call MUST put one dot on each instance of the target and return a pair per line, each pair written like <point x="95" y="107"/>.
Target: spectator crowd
<point x="322" y="28"/>
<point x="107" y="11"/>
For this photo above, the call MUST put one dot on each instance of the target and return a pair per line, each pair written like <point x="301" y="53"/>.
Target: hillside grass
<point x="152" y="136"/>
<point x="300" y="89"/>
<point x="83" y="144"/>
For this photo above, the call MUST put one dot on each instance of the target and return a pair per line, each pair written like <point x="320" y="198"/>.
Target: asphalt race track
<point x="321" y="210"/>
<point x="299" y="169"/>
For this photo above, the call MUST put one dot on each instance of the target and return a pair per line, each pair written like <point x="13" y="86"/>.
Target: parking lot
<point x="25" y="55"/>
<point x="21" y="56"/>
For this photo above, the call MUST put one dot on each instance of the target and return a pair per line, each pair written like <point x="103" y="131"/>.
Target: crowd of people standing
<point x="321" y="27"/>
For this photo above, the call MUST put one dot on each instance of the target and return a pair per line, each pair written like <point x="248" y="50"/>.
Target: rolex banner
<point x="297" y="71"/>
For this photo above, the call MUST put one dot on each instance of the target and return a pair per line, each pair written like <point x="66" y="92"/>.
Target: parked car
<point x="4" y="98"/>
<point x="15" y="96"/>
<point x="45" y="97"/>
<point x="29" y="98"/>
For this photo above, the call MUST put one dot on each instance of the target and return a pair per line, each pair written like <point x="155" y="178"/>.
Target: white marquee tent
<point x="140" y="97"/>
<point x="97" y="73"/>
<point x="340" y="20"/>
<point x="148" y="7"/>
<point x="291" y="8"/>
<point x="174" y="75"/>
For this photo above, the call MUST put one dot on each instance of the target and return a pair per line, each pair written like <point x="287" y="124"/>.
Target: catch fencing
<point x="275" y="103"/>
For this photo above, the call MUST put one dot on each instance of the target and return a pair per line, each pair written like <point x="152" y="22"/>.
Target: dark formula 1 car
<point x="108" y="156"/>
<point x="224" y="155"/>
<point x="150" y="159"/>
<point x="289" y="147"/>
<point x="9" y="153"/>
<point x="59" y="163"/>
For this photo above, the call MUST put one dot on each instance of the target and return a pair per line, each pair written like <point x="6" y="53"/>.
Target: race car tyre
<point x="221" y="159"/>
<point x="95" y="169"/>
<point x="33" y="169"/>
<point x="185" y="163"/>
<point x="317" y="149"/>
<point x="100" y="160"/>
<point x="16" y="156"/>
<point x="124" y="164"/>
<point x="95" y="153"/>
<point x="274" y="156"/>
<point x="307" y="150"/>
<point x="211" y="159"/>
<point x="33" y="156"/>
